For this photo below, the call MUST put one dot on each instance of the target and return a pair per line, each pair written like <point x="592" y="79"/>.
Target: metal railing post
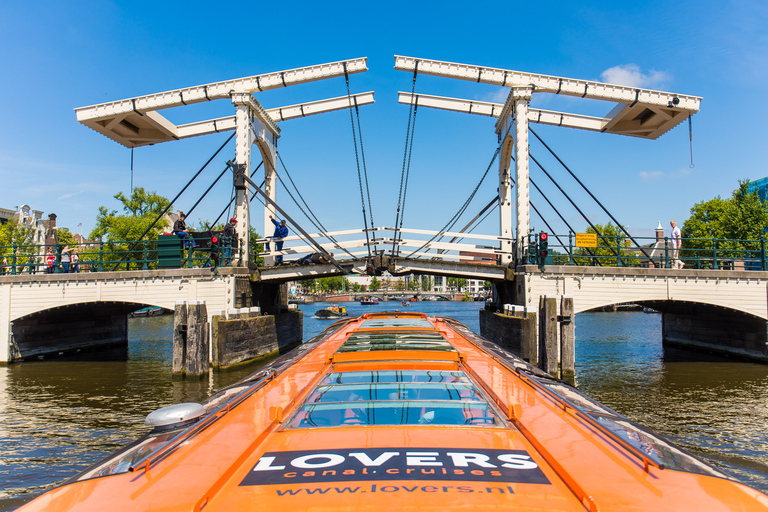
<point x="570" y="248"/>
<point x="714" y="254"/>
<point x="618" y="251"/>
<point x="145" y="267"/>
<point x="762" y="252"/>
<point x="101" y="256"/>
<point x="666" y="252"/>
<point x="13" y="259"/>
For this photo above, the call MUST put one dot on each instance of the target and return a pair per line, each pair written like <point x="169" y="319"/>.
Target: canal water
<point x="57" y="418"/>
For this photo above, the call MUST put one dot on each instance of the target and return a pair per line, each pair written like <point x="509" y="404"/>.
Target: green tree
<point x="375" y="284"/>
<point x="119" y="230"/>
<point x="609" y="238"/>
<point x="734" y="226"/>
<point x="426" y="283"/>
<point x="19" y="237"/>
<point x="332" y="283"/>
<point x="400" y="285"/>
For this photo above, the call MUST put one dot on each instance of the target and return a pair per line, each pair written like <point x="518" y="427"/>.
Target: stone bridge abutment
<point x="75" y="315"/>
<point x="721" y="311"/>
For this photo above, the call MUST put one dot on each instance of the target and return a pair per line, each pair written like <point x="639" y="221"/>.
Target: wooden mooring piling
<point x="534" y="335"/>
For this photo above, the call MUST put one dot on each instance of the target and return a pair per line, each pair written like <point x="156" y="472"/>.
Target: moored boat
<point x="332" y="312"/>
<point x="399" y="410"/>
<point x="369" y="301"/>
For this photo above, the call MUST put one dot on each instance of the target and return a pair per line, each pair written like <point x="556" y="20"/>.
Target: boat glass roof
<point x="373" y="323"/>
<point x="396" y="341"/>
<point x="402" y="397"/>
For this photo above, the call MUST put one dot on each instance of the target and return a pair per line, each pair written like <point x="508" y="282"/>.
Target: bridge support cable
<point x="621" y="227"/>
<point x="408" y="143"/>
<point x="466" y="229"/>
<point x="232" y="199"/>
<point x="553" y="208"/>
<point x="282" y="212"/>
<point x="311" y="215"/>
<point x="357" y="162"/>
<point x="170" y="204"/>
<point x="452" y="222"/>
<point x="615" y="253"/>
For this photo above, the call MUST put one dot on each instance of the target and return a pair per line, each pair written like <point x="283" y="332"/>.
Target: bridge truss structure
<point x="638" y="112"/>
<point x="136" y="122"/>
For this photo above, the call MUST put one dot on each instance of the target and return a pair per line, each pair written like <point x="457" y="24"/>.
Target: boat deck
<point x="400" y="410"/>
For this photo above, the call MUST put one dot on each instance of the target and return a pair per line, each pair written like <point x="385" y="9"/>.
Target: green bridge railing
<point x="620" y="251"/>
<point x="167" y="252"/>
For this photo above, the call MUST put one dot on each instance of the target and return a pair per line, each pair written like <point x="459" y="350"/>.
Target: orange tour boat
<point x="398" y="411"/>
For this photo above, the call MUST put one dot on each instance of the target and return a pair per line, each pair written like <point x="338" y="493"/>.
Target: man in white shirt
<point x="676" y="244"/>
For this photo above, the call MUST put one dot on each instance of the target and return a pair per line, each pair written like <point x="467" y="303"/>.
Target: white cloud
<point x="651" y="175"/>
<point x="499" y="96"/>
<point x="656" y="175"/>
<point x="631" y="75"/>
<point x="69" y="195"/>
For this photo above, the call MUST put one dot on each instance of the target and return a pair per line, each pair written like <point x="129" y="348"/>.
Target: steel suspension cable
<point x="357" y="161"/>
<point x="365" y="167"/>
<point x="233" y="196"/>
<point x="207" y="190"/>
<point x="463" y="208"/>
<point x="408" y="168"/>
<point x="318" y="225"/>
<point x="408" y="137"/>
<point x="165" y="210"/>
<point x="590" y="194"/>
<point x="574" y="205"/>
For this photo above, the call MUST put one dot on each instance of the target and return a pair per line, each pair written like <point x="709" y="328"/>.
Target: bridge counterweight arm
<point x="484" y="108"/>
<point x="222" y="90"/>
<point x="222" y="124"/>
<point x="548" y="83"/>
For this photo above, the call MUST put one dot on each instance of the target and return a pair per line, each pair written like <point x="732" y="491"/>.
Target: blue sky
<point x="57" y="56"/>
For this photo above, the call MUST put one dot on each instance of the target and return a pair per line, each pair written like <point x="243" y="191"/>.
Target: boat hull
<point x="398" y="410"/>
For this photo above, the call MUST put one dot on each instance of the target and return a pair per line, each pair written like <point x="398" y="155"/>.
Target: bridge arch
<point x="80" y="330"/>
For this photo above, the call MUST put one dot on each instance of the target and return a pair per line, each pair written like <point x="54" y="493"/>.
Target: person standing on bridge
<point x="230" y="239"/>
<point x="65" y="259"/>
<point x="50" y="261"/>
<point x="280" y="232"/>
<point x="677" y="243"/>
<point x="180" y="229"/>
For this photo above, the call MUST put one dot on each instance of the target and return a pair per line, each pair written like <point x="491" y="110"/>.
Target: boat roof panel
<point x="395" y="322"/>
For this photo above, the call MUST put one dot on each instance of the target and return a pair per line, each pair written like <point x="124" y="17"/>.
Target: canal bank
<point x="57" y="418"/>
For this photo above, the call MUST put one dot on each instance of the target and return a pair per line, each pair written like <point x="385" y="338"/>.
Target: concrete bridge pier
<point x="713" y="329"/>
<point x="78" y="331"/>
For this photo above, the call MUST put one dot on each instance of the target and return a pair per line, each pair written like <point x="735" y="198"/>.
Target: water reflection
<point x="712" y="407"/>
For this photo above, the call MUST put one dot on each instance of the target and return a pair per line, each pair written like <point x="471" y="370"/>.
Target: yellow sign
<point x="586" y="240"/>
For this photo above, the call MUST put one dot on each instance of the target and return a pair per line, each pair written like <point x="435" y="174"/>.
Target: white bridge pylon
<point x="135" y="122"/>
<point x="638" y="112"/>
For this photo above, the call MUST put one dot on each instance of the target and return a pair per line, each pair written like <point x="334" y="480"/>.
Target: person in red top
<point x="50" y="261"/>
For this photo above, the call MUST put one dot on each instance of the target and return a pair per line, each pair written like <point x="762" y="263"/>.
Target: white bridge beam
<point x="223" y="124"/>
<point x="549" y="83"/>
<point x="134" y="122"/>
<point x="484" y="108"/>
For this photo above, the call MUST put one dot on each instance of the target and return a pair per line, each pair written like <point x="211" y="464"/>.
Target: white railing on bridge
<point x="426" y="244"/>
